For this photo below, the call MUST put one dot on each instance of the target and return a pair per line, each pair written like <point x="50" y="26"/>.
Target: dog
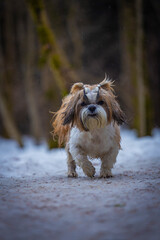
<point x="88" y="124"/>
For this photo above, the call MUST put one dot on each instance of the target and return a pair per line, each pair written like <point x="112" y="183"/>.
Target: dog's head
<point x="91" y="107"/>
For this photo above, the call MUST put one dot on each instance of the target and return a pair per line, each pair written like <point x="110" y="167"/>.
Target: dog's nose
<point x="92" y="108"/>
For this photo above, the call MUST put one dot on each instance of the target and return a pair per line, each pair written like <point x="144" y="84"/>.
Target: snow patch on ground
<point x="136" y="154"/>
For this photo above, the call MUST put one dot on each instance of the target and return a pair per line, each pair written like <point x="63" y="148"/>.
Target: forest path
<point x="38" y="201"/>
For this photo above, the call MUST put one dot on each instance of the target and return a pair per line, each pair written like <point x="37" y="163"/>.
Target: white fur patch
<point x="91" y="94"/>
<point x="94" y="143"/>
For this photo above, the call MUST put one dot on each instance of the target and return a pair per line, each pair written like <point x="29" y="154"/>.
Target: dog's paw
<point x="88" y="169"/>
<point x="72" y="174"/>
<point x="106" y="173"/>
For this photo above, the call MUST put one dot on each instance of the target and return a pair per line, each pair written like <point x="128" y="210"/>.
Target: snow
<point x="38" y="201"/>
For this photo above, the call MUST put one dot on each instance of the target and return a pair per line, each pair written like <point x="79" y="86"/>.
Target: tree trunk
<point x="8" y="75"/>
<point x="74" y="33"/>
<point x="32" y="102"/>
<point x="8" y="122"/>
<point x="52" y="53"/>
<point x="139" y="70"/>
<point x="133" y="78"/>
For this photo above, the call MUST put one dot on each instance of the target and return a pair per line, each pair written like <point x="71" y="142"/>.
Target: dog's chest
<point x="94" y="143"/>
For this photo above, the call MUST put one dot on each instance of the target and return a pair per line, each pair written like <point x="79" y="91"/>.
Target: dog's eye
<point x="83" y="104"/>
<point x="100" y="103"/>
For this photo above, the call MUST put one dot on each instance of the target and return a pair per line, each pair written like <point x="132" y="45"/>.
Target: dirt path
<point x="62" y="208"/>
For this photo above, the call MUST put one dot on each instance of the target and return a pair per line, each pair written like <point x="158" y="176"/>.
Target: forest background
<point x="46" y="46"/>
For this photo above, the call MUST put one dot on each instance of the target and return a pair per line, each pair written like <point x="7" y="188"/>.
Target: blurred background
<point x="46" y="46"/>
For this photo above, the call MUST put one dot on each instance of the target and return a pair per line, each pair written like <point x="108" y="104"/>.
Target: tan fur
<point x="107" y="85"/>
<point x="58" y="128"/>
<point x="76" y="87"/>
<point x="117" y="135"/>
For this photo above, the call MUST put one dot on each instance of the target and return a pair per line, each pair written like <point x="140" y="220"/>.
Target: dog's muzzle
<point x="93" y="117"/>
<point x="92" y="110"/>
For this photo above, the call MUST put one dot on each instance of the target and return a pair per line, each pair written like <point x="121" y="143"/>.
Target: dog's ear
<point x="106" y="84"/>
<point x="69" y="113"/>
<point x="76" y="87"/>
<point x="70" y="105"/>
<point x="117" y="113"/>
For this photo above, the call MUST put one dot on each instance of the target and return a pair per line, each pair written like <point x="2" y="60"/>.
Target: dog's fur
<point x="87" y="123"/>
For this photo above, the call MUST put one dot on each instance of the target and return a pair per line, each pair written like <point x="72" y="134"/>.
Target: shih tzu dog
<point x="88" y="123"/>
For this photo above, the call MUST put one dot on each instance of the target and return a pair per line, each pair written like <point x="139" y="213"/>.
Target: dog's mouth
<point x="92" y="114"/>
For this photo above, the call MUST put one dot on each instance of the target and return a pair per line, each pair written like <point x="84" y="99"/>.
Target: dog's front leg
<point x="87" y="166"/>
<point x="82" y="161"/>
<point x="71" y="164"/>
<point x="108" y="161"/>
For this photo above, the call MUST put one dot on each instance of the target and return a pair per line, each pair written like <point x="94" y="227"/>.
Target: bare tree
<point x="7" y="74"/>
<point x="8" y="121"/>
<point x="133" y="76"/>
<point x="32" y="101"/>
<point x="74" y="32"/>
<point x="139" y="70"/>
<point x="51" y="52"/>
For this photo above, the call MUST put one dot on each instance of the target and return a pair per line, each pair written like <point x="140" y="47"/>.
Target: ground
<point x="38" y="201"/>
